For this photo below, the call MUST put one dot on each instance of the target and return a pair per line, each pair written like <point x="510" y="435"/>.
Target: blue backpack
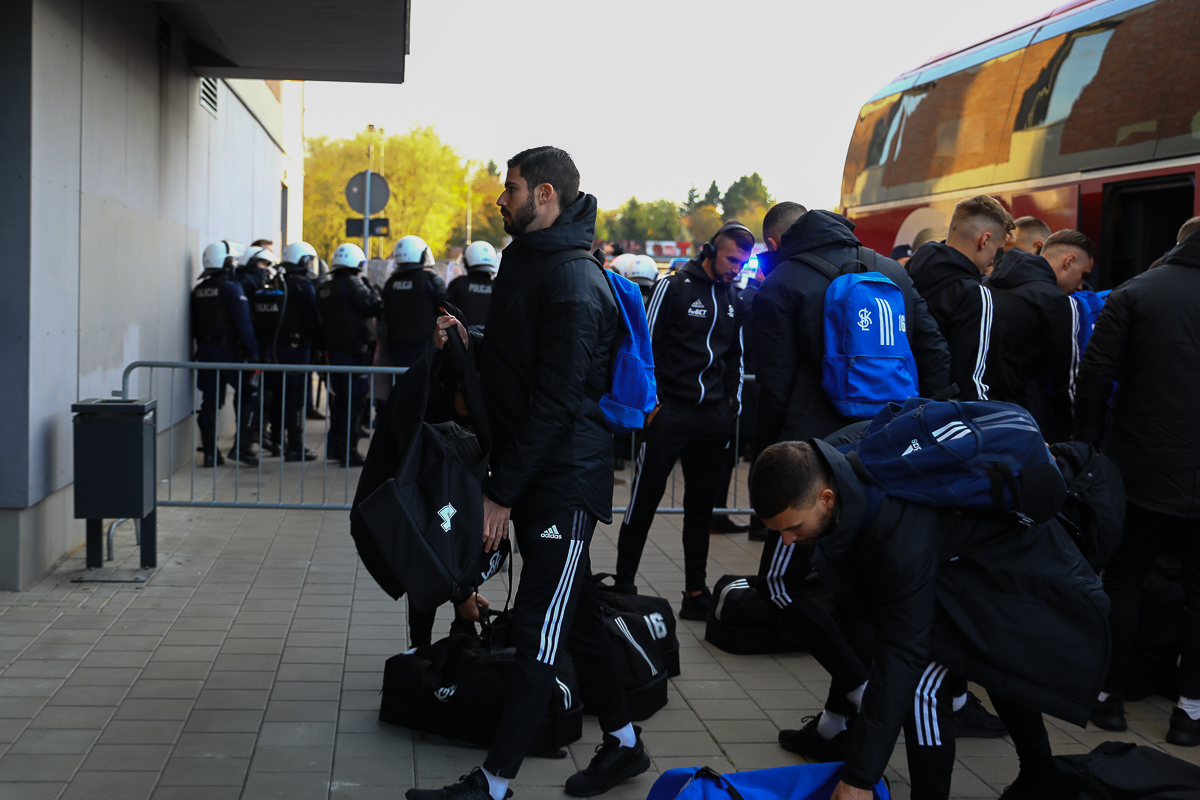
<point x="978" y="456"/>
<point x="798" y="782"/>
<point x="1089" y="305"/>
<point x="634" y="392"/>
<point x="868" y="362"/>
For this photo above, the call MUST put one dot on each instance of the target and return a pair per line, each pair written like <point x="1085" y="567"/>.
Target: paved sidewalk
<point x="249" y="666"/>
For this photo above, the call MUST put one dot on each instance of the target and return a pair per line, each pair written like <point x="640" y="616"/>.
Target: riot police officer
<point x="347" y="306"/>
<point x="472" y="293"/>
<point x="252" y="269"/>
<point x="411" y="298"/>
<point x="288" y="325"/>
<point x="223" y="332"/>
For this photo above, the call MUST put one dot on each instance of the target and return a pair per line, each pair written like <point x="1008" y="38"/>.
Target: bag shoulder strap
<point x="464" y="356"/>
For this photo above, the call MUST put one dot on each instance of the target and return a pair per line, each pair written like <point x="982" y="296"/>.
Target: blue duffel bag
<point x="801" y="782"/>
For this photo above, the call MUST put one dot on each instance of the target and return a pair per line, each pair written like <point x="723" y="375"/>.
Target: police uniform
<point x="347" y="307"/>
<point x="472" y="294"/>
<point x="411" y="298"/>
<point x="288" y="324"/>
<point x="223" y="332"/>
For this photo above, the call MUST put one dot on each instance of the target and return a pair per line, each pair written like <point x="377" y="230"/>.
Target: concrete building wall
<point x="125" y="177"/>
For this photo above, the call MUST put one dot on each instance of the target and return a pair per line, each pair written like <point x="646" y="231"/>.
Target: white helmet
<point x="641" y="270"/>
<point x="411" y="250"/>
<point x="296" y="252"/>
<point x="619" y="263"/>
<point x="218" y="254"/>
<point x="348" y="256"/>
<point x="481" y="254"/>
<point x="258" y="254"/>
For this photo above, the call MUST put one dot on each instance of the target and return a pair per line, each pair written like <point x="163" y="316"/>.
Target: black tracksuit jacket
<point x="1034" y="344"/>
<point x="1148" y="338"/>
<point x="978" y="593"/>
<point x="953" y="287"/>
<point x="544" y="364"/>
<point x="697" y="338"/>
<point x="789" y="331"/>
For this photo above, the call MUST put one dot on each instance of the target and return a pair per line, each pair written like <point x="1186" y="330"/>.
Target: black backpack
<point x="1094" y="511"/>
<point x="456" y="687"/>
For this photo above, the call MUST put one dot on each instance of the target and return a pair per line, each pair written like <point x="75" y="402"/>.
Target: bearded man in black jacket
<point x="544" y="364"/>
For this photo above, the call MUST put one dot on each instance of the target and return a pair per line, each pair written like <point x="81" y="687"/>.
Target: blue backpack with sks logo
<point x="978" y="456"/>
<point x="868" y="362"/>
<point x="634" y="392"/>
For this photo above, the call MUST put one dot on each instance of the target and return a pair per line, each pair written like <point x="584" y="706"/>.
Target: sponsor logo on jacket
<point x="698" y="310"/>
<point x="445" y="693"/>
<point x="447" y="511"/>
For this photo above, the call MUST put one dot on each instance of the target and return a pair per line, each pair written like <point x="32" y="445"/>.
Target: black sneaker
<point x="469" y="787"/>
<point x="973" y="721"/>
<point x="812" y="745"/>
<point x="1110" y="714"/>
<point x="1184" y="730"/>
<point x="245" y="456"/>
<point x="696" y="607"/>
<point x="1044" y="784"/>
<point x="298" y="455"/>
<point x="312" y="413"/>
<point x="721" y="523"/>
<point x="612" y="764"/>
<point x="208" y="460"/>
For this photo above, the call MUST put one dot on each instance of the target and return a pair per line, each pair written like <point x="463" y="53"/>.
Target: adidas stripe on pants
<point x="556" y="609"/>
<point x="929" y="735"/>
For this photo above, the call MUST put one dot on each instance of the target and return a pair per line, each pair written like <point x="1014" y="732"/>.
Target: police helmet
<point x="297" y="252"/>
<point x="348" y="256"/>
<point x="619" y="263"/>
<point x="641" y="270"/>
<point x="258" y="254"/>
<point x="412" y="250"/>
<point x="481" y="255"/>
<point x="221" y="255"/>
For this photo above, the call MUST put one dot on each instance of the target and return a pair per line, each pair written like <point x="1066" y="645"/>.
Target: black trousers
<point x="1147" y="533"/>
<point x="698" y="437"/>
<point x="211" y="384"/>
<point x="557" y="605"/>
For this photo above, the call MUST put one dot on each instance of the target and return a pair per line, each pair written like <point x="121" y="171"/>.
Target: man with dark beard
<point x="545" y="362"/>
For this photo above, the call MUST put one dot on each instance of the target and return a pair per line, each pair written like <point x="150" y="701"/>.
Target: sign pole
<point x="367" y="199"/>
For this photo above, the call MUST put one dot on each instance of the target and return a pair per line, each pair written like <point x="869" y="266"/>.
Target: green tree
<point x="633" y="221"/>
<point x="703" y="223"/>
<point x="486" y="223"/>
<point x="606" y="225"/>
<point x="712" y="197"/>
<point x="662" y="221"/>
<point x="745" y="191"/>
<point x="691" y="203"/>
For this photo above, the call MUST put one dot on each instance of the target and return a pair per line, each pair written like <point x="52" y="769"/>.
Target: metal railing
<point x="228" y="488"/>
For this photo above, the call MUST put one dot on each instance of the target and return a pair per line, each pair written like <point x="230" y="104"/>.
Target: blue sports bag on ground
<point x="868" y="362"/>
<point x="978" y="456"/>
<point x="801" y="782"/>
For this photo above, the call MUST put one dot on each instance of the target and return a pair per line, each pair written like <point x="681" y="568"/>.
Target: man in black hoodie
<point x="544" y="365"/>
<point x="1035" y="331"/>
<point x="949" y="276"/>
<point x="1147" y="339"/>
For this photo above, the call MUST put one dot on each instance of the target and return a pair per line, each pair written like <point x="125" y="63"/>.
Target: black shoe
<point x="1110" y="714"/>
<point x="696" y="607"/>
<point x="312" y="413"/>
<point x="1042" y="784"/>
<point x="612" y="764"/>
<point x="208" y="460"/>
<point x="721" y="523"/>
<point x="973" y="721"/>
<point x="1184" y="730"/>
<point x="247" y="458"/>
<point x="812" y="745"/>
<point x="356" y="458"/>
<point x="300" y="455"/>
<point x="469" y="787"/>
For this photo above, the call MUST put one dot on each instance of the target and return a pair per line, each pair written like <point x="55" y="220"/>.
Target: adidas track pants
<point x="557" y="606"/>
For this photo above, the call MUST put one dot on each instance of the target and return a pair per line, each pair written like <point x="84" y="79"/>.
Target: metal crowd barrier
<point x="227" y="487"/>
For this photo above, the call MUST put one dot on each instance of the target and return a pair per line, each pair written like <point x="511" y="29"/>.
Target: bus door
<point x="1141" y="218"/>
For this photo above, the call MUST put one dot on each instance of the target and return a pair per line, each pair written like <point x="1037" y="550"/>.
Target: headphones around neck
<point x="709" y="249"/>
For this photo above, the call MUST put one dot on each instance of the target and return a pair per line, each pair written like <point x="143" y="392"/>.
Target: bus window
<point x="1181" y="129"/>
<point x="861" y="183"/>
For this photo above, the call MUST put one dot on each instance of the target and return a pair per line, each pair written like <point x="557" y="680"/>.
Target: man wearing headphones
<point x="698" y="365"/>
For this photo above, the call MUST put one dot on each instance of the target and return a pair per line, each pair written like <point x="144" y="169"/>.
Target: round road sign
<point x="356" y="191"/>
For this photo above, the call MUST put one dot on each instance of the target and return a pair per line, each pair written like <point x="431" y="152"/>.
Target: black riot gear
<point x="472" y="294"/>
<point x="347" y="306"/>
<point x="410" y="304"/>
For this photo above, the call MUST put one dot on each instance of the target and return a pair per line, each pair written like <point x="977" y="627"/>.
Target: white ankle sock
<point x="960" y="701"/>
<point x="497" y="786"/>
<point x="1191" y="706"/>
<point x="626" y="736"/>
<point x="1102" y="696"/>
<point x="856" y="696"/>
<point x="830" y="724"/>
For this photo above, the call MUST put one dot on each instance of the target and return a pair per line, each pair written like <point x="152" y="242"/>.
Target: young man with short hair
<point x="544" y="359"/>
<point x="1027" y="236"/>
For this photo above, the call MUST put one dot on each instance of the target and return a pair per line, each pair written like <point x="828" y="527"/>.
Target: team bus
<point x="1088" y="118"/>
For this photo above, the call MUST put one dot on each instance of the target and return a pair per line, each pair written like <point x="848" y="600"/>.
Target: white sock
<point x="626" y="736"/>
<point x="1191" y="706"/>
<point x="960" y="701"/>
<point x="830" y="724"/>
<point x="856" y="696"/>
<point x="497" y="786"/>
<point x="1102" y="696"/>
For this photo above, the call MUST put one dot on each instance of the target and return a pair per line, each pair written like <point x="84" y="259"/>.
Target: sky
<point x="651" y="97"/>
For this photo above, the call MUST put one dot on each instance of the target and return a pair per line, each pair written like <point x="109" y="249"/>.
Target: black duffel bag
<point x="639" y="661"/>
<point x="656" y="614"/>
<point x="456" y="687"/>
<point x="743" y="622"/>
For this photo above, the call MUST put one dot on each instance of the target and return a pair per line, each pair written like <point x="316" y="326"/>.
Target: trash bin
<point x="115" y="470"/>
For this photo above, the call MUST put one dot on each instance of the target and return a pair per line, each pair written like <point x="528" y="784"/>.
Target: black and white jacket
<point x="697" y="339"/>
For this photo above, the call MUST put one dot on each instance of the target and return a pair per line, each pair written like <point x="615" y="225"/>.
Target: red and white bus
<point x="1087" y="118"/>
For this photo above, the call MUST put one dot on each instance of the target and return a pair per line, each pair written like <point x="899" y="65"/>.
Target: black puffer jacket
<point x="952" y="286"/>
<point x="789" y="333"/>
<point x="1034" y="339"/>
<point x="544" y="364"/>
<point x="975" y="592"/>
<point x="1148" y="338"/>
